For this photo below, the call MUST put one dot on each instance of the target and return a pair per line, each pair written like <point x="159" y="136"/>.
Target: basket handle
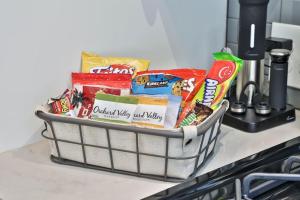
<point x="189" y="133"/>
<point x="44" y="131"/>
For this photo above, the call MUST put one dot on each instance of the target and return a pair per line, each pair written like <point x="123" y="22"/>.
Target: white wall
<point x="41" y="41"/>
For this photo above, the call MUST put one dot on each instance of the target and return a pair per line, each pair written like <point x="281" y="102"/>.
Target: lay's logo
<point x="210" y="89"/>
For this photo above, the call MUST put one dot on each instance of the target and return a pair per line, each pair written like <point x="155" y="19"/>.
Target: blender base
<point x="251" y="122"/>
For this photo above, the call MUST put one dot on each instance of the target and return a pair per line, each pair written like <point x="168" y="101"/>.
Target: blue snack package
<point x="157" y="84"/>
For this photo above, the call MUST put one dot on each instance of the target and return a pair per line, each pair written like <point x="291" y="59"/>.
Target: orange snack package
<point x="224" y="70"/>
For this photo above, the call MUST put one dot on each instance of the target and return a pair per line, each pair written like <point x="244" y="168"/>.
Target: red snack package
<point x="61" y="104"/>
<point x="86" y="86"/>
<point x="121" y="81"/>
<point x="192" y="80"/>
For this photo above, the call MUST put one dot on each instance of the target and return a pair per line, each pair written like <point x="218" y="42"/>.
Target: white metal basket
<point x="163" y="154"/>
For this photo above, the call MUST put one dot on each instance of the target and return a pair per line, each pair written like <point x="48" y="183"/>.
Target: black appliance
<point x="251" y="110"/>
<point x="273" y="174"/>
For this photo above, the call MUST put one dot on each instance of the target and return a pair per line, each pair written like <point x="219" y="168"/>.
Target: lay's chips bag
<point x="93" y="63"/>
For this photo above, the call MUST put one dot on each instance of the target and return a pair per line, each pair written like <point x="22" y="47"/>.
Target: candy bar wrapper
<point x="112" y="108"/>
<point x="224" y="70"/>
<point x="93" y="63"/>
<point x="62" y="104"/>
<point x="151" y="111"/>
<point x="196" y="114"/>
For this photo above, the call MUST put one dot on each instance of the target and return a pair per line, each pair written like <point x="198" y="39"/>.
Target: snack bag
<point x="114" y="108"/>
<point x="194" y="116"/>
<point x="62" y="104"/>
<point x="224" y="70"/>
<point x="158" y="83"/>
<point x="93" y="63"/>
<point x="191" y="81"/>
<point x="86" y="86"/>
<point x="218" y="81"/>
<point x="120" y="81"/>
<point x="151" y="111"/>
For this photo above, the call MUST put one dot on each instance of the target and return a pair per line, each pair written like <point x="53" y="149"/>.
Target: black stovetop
<point x="275" y="173"/>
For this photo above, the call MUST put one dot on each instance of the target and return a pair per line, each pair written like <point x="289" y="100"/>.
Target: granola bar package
<point x="173" y="107"/>
<point x="112" y="108"/>
<point x="151" y="111"/>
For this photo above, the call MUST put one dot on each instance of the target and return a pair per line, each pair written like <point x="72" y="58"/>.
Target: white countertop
<point x="27" y="173"/>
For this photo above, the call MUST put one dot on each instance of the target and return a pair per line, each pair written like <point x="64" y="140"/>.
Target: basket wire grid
<point x="208" y="127"/>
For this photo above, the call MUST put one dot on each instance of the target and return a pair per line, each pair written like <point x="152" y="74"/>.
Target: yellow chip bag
<point x="93" y="63"/>
<point x="150" y="112"/>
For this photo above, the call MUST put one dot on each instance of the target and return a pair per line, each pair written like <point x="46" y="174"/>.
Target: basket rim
<point x="42" y="113"/>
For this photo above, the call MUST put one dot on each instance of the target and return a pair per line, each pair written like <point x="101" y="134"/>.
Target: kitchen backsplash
<point x="285" y="11"/>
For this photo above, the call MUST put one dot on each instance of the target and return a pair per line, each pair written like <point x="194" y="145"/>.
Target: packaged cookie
<point x="151" y="111"/>
<point x="191" y="81"/>
<point x="157" y="83"/>
<point x="224" y="70"/>
<point x="112" y="108"/>
<point x="93" y="63"/>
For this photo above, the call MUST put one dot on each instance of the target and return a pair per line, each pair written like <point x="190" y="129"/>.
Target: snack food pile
<point x="123" y="90"/>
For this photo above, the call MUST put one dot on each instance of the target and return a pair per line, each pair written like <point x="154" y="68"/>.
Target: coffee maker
<point x="250" y="109"/>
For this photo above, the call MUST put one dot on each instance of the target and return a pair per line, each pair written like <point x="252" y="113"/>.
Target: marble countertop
<point x="27" y="173"/>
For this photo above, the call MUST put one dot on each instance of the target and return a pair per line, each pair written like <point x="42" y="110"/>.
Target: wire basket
<point x="163" y="154"/>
